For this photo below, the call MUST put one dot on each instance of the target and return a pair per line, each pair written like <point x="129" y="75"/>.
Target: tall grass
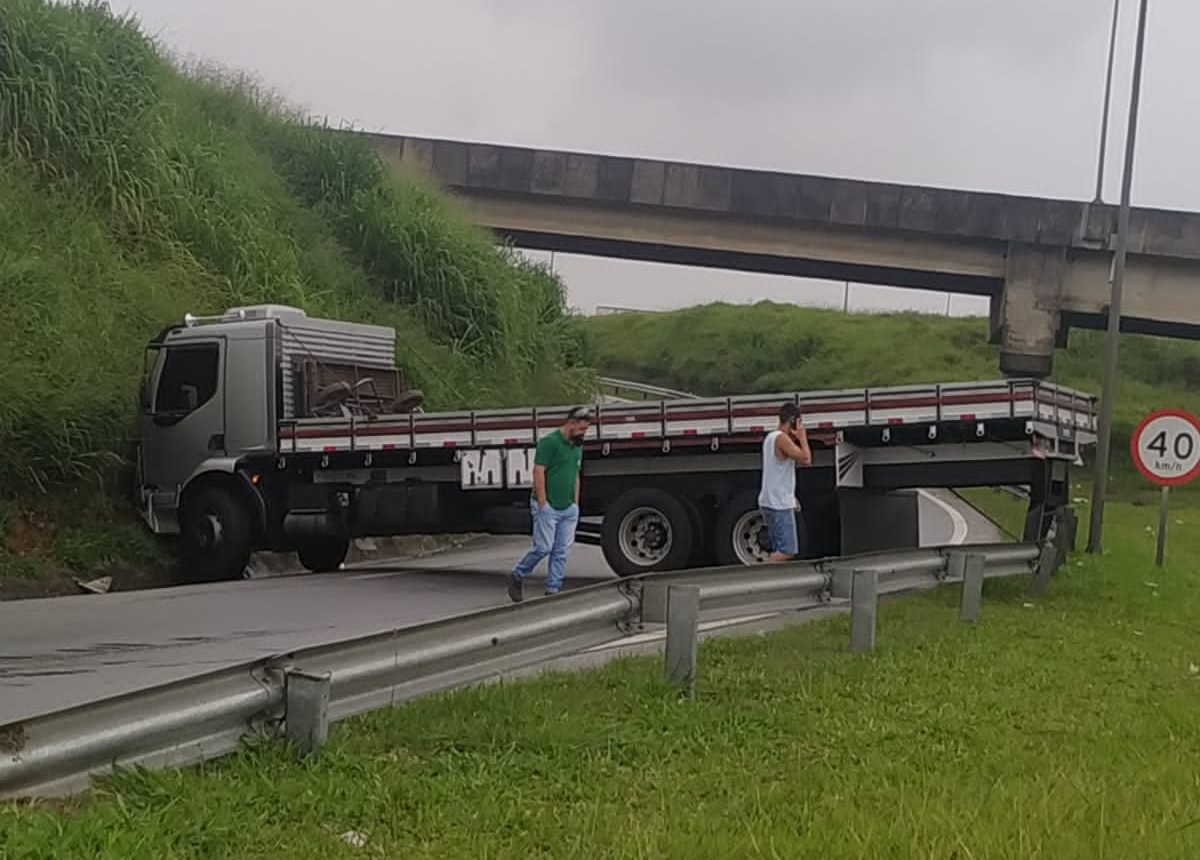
<point x="132" y="192"/>
<point x="493" y="306"/>
<point x="80" y="101"/>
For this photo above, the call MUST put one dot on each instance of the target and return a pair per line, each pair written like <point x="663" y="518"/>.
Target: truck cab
<point x="213" y="392"/>
<point x="206" y="401"/>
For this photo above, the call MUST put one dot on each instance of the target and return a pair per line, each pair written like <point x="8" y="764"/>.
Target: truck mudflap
<point x="160" y="508"/>
<point x="160" y="511"/>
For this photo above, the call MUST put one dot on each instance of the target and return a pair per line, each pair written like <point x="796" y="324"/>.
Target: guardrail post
<point x="972" y="586"/>
<point x="683" y="635"/>
<point x="654" y="603"/>
<point x="840" y="583"/>
<point x="956" y="566"/>
<point x="1066" y="526"/>
<point x="306" y="720"/>
<point x="1046" y="564"/>
<point x="1070" y="529"/>
<point x="864" y="603"/>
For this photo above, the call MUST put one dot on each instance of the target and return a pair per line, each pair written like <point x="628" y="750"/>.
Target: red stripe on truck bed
<point x="610" y="416"/>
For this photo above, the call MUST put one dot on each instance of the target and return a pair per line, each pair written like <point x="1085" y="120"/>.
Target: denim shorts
<point x="781" y="528"/>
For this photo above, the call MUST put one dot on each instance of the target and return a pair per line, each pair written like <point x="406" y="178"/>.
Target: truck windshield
<point x="188" y="378"/>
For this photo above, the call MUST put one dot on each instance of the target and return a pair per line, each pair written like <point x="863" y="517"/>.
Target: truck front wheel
<point x="217" y="534"/>
<point x="323" y="556"/>
<point x="645" y="530"/>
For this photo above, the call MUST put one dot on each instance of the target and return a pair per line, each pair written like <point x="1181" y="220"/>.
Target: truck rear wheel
<point x="645" y="530"/>
<point x="323" y="556"/>
<point x="217" y="533"/>
<point x="702" y="535"/>
<point x="741" y="532"/>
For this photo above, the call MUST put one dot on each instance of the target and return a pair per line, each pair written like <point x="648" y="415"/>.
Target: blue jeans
<point x="553" y="534"/>
<point x="781" y="527"/>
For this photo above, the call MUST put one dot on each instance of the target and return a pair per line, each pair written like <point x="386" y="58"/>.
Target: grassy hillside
<point x="720" y="349"/>
<point x="132" y="193"/>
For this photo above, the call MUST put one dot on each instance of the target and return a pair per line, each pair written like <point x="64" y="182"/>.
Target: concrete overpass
<point x="1044" y="263"/>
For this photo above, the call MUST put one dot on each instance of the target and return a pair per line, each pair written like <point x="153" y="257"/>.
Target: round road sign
<point x="1166" y="447"/>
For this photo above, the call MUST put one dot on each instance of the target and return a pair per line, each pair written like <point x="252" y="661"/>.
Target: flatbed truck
<point x="263" y="429"/>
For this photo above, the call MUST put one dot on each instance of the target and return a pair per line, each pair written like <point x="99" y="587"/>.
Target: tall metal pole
<point x="1108" y="81"/>
<point x="1100" y="486"/>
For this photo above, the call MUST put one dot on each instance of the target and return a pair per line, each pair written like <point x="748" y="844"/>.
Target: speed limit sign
<point x="1166" y="447"/>
<point x="1166" y="450"/>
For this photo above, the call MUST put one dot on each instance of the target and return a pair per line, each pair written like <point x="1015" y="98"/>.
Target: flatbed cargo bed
<point x="1026" y="407"/>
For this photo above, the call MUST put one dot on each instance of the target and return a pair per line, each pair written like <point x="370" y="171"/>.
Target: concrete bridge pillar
<point x="1025" y="318"/>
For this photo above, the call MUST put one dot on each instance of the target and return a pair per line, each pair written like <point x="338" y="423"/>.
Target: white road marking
<point x="959" y="534"/>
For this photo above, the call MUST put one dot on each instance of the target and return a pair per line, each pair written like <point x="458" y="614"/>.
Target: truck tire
<point x="702" y="535"/>
<point x="740" y="532"/>
<point x="217" y="532"/>
<point x="645" y="530"/>
<point x="323" y="556"/>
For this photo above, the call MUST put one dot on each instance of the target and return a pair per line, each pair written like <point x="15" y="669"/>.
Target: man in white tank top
<point x="782" y="450"/>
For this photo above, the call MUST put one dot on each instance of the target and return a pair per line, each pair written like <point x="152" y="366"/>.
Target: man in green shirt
<point x="554" y="504"/>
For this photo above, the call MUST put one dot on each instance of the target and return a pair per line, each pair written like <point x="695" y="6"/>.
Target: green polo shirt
<point x="561" y="460"/>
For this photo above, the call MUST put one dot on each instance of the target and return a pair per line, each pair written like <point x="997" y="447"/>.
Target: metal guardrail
<point x="642" y="390"/>
<point x="1017" y="492"/>
<point x="607" y="310"/>
<point x="210" y="715"/>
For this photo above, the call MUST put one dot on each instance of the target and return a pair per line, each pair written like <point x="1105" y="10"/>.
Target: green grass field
<point x="1004" y="509"/>
<point x="1059" y="727"/>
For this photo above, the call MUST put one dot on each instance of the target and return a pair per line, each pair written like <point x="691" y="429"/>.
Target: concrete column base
<point x="1024" y="364"/>
<point x="1026" y="317"/>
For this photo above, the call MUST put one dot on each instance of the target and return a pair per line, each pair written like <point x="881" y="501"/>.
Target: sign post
<point x="1166" y="450"/>
<point x="1164" y="507"/>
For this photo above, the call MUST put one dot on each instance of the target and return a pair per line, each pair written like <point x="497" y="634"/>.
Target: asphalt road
<point x="59" y="652"/>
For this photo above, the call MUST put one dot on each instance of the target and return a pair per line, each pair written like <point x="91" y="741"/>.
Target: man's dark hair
<point x="580" y="413"/>
<point x="788" y="413"/>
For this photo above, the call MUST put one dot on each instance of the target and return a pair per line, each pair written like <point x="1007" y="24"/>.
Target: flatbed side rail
<point x="621" y="387"/>
<point x="1053" y="410"/>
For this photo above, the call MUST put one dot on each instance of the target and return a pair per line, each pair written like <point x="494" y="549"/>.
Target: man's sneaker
<point x="516" y="590"/>
<point x="549" y="593"/>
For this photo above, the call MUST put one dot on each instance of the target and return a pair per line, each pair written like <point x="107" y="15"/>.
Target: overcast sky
<point x="1002" y="95"/>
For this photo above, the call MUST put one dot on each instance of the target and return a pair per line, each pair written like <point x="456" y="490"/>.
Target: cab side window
<point x="189" y="378"/>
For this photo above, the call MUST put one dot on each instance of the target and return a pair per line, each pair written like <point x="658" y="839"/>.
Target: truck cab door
<point x="182" y="423"/>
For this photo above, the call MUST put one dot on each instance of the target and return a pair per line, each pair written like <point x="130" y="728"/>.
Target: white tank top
<point x="778" y="478"/>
